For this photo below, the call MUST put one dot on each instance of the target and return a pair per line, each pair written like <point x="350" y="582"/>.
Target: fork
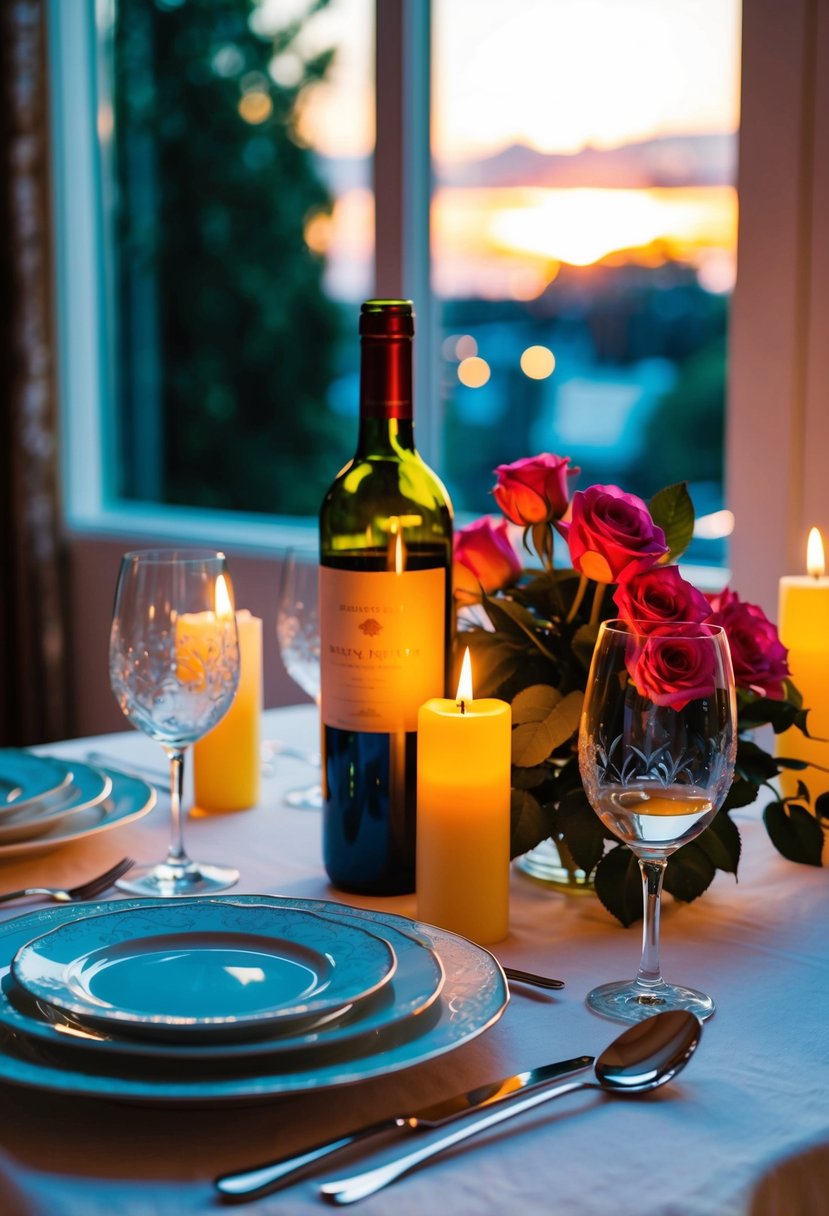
<point x="529" y="977"/>
<point x="85" y="890"/>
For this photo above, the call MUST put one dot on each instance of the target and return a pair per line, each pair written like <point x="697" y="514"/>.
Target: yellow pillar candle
<point x="227" y="761"/>
<point x="804" y="628"/>
<point x="463" y="814"/>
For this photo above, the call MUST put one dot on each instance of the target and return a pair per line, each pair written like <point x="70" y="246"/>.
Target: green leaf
<point x="721" y="842"/>
<point x="794" y="832"/>
<point x="515" y="621"/>
<point x="495" y="659"/>
<point x="673" y="511"/>
<point x="533" y="704"/>
<point x="581" y="828"/>
<point x="766" y="711"/>
<point x="584" y="643"/>
<point x="742" y="793"/>
<point x="753" y="763"/>
<point x="529" y="823"/>
<point x="689" y="872"/>
<point x="529" y="778"/>
<point x="533" y="742"/>
<point x="619" y="885"/>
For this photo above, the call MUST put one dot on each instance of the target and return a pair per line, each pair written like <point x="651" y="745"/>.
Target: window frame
<point x="778" y="359"/>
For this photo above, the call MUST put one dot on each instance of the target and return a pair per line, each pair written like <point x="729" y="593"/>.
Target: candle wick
<point x="462" y="706"/>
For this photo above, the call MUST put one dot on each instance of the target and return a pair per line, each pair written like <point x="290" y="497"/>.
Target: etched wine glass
<point x="657" y="745"/>
<point x="174" y="670"/>
<point x="298" y="636"/>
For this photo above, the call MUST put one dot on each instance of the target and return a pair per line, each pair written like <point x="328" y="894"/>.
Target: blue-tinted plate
<point x="473" y="998"/>
<point x="128" y="799"/>
<point x="87" y="787"/>
<point x="26" y="779"/>
<point x="183" y="971"/>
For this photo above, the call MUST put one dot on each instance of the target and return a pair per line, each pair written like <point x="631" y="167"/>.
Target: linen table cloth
<point x="755" y="1095"/>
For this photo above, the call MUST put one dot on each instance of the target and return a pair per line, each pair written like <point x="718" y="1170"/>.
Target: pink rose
<point x="758" y="655"/>
<point x="611" y="535"/>
<point x="484" y="557"/>
<point x="658" y="596"/>
<point x="671" y="670"/>
<point x="534" y="490"/>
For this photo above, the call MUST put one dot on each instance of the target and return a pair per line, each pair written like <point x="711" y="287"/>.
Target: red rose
<point x="672" y="670"/>
<point x="484" y="557"/>
<point x="534" y="490"/>
<point x="611" y="535"/>
<point x="758" y="655"/>
<point x="658" y="596"/>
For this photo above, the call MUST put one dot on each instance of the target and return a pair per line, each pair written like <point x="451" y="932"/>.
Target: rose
<point x="672" y="670"/>
<point x="534" y="490"/>
<point x="611" y="535"/>
<point x="660" y="595"/>
<point x="484" y="557"/>
<point x="758" y="655"/>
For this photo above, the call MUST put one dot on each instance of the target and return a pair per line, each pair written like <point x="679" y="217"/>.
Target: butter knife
<point x="253" y="1183"/>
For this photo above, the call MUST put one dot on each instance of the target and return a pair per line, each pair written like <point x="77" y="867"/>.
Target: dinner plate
<point x="87" y="787"/>
<point x="128" y="799"/>
<point x="414" y="988"/>
<point x="203" y="971"/>
<point x="26" y="778"/>
<point x="473" y="998"/>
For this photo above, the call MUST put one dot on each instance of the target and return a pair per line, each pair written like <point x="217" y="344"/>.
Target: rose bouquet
<point x="532" y="633"/>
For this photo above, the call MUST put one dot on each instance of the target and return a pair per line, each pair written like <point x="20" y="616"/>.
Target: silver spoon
<point x="644" y="1056"/>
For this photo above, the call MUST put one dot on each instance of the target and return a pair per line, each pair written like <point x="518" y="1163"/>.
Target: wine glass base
<point x="169" y="880"/>
<point x="630" y="1001"/>
<point x="309" y="799"/>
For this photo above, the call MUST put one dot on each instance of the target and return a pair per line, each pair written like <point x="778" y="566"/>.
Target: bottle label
<point x="382" y="647"/>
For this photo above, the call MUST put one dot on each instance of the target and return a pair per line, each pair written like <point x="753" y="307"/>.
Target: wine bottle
<point x="385" y="601"/>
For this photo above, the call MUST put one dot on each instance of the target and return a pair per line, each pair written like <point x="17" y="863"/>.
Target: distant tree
<point x="685" y="438"/>
<point x="227" y="340"/>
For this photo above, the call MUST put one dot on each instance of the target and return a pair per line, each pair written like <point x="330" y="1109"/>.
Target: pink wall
<point x="93" y="572"/>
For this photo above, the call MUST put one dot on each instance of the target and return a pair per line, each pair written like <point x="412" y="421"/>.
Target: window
<point x="585" y="227"/>
<point x="777" y="378"/>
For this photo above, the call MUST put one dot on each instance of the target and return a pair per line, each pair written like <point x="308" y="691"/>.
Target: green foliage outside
<point x="227" y="342"/>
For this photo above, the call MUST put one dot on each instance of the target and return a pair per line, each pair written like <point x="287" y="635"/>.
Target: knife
<point x="263" y="1179"/>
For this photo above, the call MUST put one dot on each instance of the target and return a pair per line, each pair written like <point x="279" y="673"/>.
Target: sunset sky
<point x="558" y="76"/>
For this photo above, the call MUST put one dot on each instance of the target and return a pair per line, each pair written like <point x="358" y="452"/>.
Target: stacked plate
<point x="45" y="802"/>
<point x="231" y="999"/>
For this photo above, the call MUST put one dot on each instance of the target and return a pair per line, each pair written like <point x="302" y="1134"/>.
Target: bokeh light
<point x="255" y="107"/>
<point x="538" y="362"/>
<point x="473" y="371"/>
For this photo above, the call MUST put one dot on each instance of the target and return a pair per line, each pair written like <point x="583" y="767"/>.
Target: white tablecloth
<point x="755" y="1095"/>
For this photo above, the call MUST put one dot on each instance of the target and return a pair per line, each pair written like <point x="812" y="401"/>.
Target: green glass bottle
<point x="385" y="618"/>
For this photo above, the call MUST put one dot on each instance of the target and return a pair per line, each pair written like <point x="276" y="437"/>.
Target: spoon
<point x="644" y="1056"/>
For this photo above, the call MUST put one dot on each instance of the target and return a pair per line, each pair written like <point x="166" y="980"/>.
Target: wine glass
<point x="656" y="752"/>
<point x="174" y="670"/>
<point x="298" y="636"/>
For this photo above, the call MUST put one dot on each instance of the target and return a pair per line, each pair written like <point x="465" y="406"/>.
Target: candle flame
<point x="814" y="554"/>
<point x="464" y="692"/>
<point x="224" y="604"/>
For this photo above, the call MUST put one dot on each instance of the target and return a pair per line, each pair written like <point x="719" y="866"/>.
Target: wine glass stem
<point x="175" y="852"/>
<point x="652" y="874"/>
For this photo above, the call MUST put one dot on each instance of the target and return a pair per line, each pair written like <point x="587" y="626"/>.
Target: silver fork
<point x="85" y="890"/>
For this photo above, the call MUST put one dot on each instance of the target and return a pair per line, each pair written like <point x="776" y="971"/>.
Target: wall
<point x="93" y="573"/>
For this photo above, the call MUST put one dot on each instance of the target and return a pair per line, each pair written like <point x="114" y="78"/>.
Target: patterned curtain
<point x="33" y="592"/>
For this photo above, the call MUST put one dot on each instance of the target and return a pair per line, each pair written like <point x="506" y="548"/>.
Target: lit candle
<point x="804" y="628"/>
<point x="226" y="762"/>
<point x="463" y="813"/>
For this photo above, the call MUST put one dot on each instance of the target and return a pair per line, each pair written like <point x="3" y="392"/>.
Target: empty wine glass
<point x="656" y="752"/>
<point x="174" y="669"/>
<point x="298" y="635"/>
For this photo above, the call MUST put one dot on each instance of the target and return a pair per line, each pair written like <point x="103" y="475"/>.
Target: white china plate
<point x="26" y="779"/>
<point x="414" y="987"/>
<point x="184" y="971"/>
<point x="128" y="800"/>
<point x="87" y="787"/>
<point x="473" y="998"/>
